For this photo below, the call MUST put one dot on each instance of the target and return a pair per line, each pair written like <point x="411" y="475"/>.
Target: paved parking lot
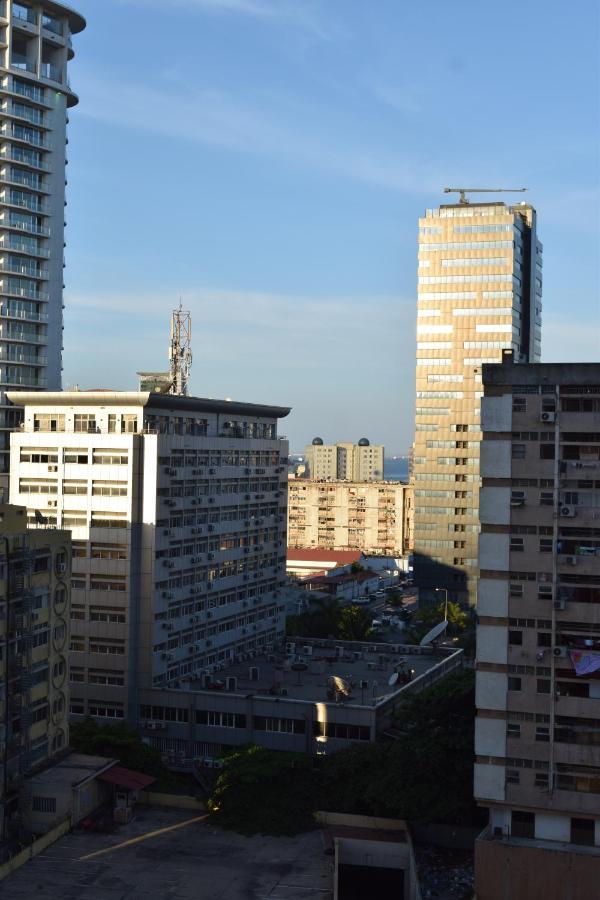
<point x="195" y="861"/>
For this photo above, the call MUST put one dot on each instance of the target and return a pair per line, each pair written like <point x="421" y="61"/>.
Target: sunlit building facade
<point x="479" y="292"/>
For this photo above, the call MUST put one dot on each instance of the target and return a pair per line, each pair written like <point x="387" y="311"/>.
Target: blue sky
<point x="267" y="161"/>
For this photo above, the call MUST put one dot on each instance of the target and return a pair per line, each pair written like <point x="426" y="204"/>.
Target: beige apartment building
<point x="177" y="509"/>
<point x="479" y="291"/>
<point x="537" y="736"/>
<point x="373" y="517"/>
<point x="34" y="635"/>
<point x="345" y="461"/>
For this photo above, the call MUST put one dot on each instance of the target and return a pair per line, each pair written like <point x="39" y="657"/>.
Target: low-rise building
<point x="309" y="695"/>
<point x="350" y="515"/>
<point x="35" y="570"/>
<point x="313" y="561"/>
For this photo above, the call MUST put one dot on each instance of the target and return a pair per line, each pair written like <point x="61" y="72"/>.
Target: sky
<point x="266" y="162"/>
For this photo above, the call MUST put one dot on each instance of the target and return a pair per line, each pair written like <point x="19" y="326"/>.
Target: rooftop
<point x="172" y="402"/>
<point x="343" y="557"/>
<point x="306" y="674"/>
<point x="74" y="769"/>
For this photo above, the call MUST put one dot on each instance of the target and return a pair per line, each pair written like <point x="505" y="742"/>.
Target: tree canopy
<point x="425" y="775"/>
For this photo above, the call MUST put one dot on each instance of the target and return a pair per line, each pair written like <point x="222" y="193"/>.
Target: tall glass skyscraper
<point x="35" y="94"/>
<point x="479" y="293"/>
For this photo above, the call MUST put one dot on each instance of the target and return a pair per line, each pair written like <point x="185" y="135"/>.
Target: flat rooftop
<point x="74" y="769"/>
<point x="167" y="853"/>
<point x="307" y="676"/>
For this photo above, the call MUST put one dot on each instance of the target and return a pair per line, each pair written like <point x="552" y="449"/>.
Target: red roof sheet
<point x="339" y="556"/>
<point x="125" y="778"/>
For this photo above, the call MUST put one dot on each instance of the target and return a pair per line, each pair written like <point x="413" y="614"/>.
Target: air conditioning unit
<point x="212" y="471"/>
<point x="52" y="502"/>
<point x="560" y="651"/>
<point x="568" y="511"/>
<point x="571" y="560"/>
<point x="218" y="764"/>
<point x="167" y="531"/>
<point x="307" y="650"/>
<point x="517" y="501"/>
<point x="210" y="555"/>
<point x="548" y="417"/>
<point x="53" y="468"/>
<point x="560" y="604"/>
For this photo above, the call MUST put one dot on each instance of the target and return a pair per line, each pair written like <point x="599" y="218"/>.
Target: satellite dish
<point x="393" y="679"/>
<point x="340" y="685"/>
<point x="434" y="633"/>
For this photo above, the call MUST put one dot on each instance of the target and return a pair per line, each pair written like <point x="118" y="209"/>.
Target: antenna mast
<point x="180" y="351"/>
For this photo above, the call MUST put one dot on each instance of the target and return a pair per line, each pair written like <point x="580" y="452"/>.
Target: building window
<point x="543" y="686"/>
<point x="514" y="684"/>
<point x="46" y="804"/>
<point x="582" y="832"/>
<point x="517" y="545"/>
<point x="546" y="451"/>
<point x="518" y="451"/>
<point x="542" y="733"/>
<point x="513" y="730"/>
<point x="515" y="637"/>
<point x="519" y="405"/>
<point x="541" y="780"/>
<point x="85" y="422"/>
<point x="522" y="824"/>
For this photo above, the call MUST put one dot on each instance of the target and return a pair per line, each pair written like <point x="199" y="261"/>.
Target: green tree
<point x="321" y="620"/>
<point x="119" y="741"/>
<point x="427" y="616"/>
<point x="354" y="623"/>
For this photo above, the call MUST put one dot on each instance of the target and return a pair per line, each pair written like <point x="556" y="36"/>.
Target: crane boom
<point x="463" y="191"/>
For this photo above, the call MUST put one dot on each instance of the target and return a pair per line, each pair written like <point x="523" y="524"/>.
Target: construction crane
<point x="180" y="351"/>
<point x="463" y="191"/>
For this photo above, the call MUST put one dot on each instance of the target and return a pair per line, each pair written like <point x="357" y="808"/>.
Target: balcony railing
<point x="11" y="313"/>
<point x="26" y="337"/>
<point x="23" y="381"/>
<point x="28" y="90"/>
<point x="27" y="294"/>
<point x="49" y="70"/>
<point x="29" y="227"/>
<point x="24" y="247"/>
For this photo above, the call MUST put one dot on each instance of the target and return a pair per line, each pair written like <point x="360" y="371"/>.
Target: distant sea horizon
<point x="396" y="469"/>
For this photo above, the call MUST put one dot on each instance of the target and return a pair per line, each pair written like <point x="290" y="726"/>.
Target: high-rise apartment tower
<point x="35" y="47"/>
<point x="479" y="292"/>
<point x="537" y="732"/>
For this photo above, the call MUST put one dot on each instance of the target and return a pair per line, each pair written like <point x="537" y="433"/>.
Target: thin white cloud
<point x="297" y="14"/>
<point x="215" y="118"/>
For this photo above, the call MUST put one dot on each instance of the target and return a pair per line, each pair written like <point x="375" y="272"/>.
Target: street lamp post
<point x="445" y="590"/>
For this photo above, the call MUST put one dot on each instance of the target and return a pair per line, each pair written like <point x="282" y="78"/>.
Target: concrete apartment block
<point x="479" y="291"/>
<point x="34" y="634"/>
<point x="35" y="47"/>
<point x="177" y="508"/>
<point x="374" y="517"/>
<point x="345" y="461"/>
<point x="537" y="736"/>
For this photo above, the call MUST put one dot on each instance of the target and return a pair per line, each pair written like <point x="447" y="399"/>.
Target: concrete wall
<point x="493" y="551"/>
<point x="494" y="506"/>
<point x="504" y="871"/>
<point x="490" y="737"/>
<point x="492" y="599"/>
<point x="496" y="413"/>
<point x="495" y="459"/>
<point x="492" y="644"/>
<point x="490" y="690"/>
<point x="489" y="783"/>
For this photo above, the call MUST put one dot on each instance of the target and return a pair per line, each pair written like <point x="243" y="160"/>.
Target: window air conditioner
<point x="568" y="511"/>
<point x="548" y="417"/>
<point x="561" y="651"/>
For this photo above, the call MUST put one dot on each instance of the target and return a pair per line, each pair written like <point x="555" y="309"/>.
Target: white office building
<point x="177" y="509"/>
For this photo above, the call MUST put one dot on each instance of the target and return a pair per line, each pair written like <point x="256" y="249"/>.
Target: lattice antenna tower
<point x="180" y="351"/>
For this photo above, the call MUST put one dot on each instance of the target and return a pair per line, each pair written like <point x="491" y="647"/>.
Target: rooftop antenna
<point x="180" y="350"/>
<point x="464" y="191"/>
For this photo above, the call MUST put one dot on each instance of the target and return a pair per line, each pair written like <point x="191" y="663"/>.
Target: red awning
<point x="125" y="778"/>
